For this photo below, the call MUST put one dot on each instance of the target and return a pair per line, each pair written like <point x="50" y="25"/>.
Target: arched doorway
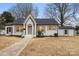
<point x="29" y="29"/>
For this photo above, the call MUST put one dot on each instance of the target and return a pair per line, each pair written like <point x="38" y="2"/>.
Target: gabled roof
<point x="46" y="21"/>
<point x="38" y="21"/>
<point x="66" y="27"/>
<point x="20" y="21"/>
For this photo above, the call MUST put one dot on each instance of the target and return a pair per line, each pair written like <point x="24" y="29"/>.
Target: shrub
<point x="56" y="35"/>
<point x="40" y="34"/>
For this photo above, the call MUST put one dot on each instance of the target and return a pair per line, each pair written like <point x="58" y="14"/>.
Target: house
<point x="66" y="31"/>
<point x="77" y="29"/>
<point x="2" y="30"/>
<point x="30" y="26"/>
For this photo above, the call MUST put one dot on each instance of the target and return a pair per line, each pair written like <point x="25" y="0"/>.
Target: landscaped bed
<point x="52" y="46"/>
<point x="6" y="41"/>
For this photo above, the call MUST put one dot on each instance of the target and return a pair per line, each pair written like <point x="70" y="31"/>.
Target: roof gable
<point x="30" y="17"/>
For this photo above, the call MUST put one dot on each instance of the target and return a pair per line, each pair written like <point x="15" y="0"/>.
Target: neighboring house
<point x="2" y="30"/>
<point x="66" y="31"/>
<point x="30" y="27"/>
<point x="77" y="30"/>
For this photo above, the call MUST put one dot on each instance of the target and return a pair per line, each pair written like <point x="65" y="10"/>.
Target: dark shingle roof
<point x="46" y="21"/>
<point x="38" y="21"/>
<point x="66" y="27"/>
<point x="19" y="21"/>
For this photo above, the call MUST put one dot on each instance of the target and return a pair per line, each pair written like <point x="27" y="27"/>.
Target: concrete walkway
<point x="15" y="49"/>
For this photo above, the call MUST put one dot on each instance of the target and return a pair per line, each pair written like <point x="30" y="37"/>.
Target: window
<point x="17" y="29"/>
<point x="65" y="31"/>
<point x="51" y="27"/>
<point x="41" y="28"/>
<point x="9" y="29"/>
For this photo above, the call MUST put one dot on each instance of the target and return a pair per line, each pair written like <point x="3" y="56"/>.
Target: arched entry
<point x="29" y="29"/>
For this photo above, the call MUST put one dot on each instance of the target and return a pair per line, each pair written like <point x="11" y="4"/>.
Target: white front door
<point x="29" y="29"/>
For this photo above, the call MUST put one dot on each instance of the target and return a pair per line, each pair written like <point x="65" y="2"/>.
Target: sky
<point x="41" y="7"/>
<point x="7" y="6"/>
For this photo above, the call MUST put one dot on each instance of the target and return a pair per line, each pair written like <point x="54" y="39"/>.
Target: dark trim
<point x="13" y="24"/>
<point x="25" y="28"/>
<point x="46" y="24"/>
<point x="66" y="28"/>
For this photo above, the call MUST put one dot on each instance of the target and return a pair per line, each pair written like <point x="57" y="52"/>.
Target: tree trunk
<point x="62" y="19"/>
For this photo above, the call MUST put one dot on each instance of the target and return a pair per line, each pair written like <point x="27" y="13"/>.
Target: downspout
<point x="35" y="29"/>
<point x="57" y="29"/>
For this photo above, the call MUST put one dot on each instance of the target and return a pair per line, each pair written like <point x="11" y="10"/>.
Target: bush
<point x="16" y="35"/>
<point x="40" y="34"/>
<point x="56" y="35"/>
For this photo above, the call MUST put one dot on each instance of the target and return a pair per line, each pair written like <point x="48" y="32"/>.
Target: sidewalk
<point x="15" y="49"/>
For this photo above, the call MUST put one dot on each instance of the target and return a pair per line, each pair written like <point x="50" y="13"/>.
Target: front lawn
<point x="6" y="41"/>
<point x="51" y="46"/>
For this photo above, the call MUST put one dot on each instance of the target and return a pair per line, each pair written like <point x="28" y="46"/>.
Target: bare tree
<point x="35" y="12"/>
<point x="22" y="10"/>
<point x="61" y="11"/>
